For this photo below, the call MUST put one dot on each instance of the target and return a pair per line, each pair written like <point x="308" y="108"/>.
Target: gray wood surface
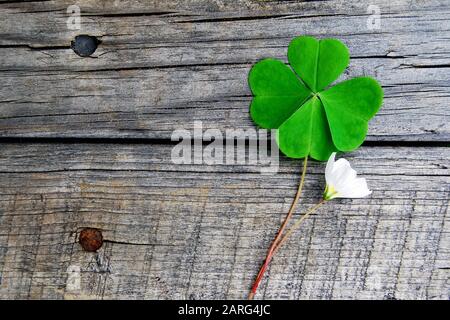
<point x="163" y="63"/>
<point x="198" y="231"/>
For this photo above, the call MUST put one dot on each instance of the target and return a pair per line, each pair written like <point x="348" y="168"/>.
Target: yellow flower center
<point x="329" y="193"/>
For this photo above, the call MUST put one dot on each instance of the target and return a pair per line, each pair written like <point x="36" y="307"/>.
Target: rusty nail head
<point x="91" y="239"/>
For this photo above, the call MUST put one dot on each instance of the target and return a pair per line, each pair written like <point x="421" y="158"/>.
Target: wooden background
<point x="85" y="142"/>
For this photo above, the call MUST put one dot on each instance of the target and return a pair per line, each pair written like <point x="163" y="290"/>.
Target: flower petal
<point x="342" y="181"/>
<point x="356" y="189"/>
<point x="341" y="170"/>
<point x="347" y="176"/>
<point x="329" y="167"/>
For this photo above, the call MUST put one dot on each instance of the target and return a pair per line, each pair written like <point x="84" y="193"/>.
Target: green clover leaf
<point x="311" y="118"/>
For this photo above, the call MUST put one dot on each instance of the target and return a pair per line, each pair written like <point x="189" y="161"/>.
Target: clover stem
<point x="279" y="233"/>
<point x="297" y="224"/>
<point x="278" y="245"/>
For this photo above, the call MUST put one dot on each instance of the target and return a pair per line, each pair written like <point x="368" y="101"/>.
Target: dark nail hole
<point x="91" y="239"/>
<point x="84" y="45"/>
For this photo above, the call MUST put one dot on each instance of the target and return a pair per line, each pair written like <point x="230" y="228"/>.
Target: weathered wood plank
<point x="198" y="231"/>
<point x="161" y="63"/>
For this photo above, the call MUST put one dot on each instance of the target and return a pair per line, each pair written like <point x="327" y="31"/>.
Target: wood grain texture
<point x="198" y="231"/>
<point x="162" y="64"/>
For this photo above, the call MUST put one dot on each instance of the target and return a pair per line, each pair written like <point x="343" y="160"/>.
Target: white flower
<point x="342" y="182"/>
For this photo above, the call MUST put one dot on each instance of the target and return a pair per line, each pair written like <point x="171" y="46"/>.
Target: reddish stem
<point x="272" y="252"/>
<point x="279" y="233"/>
<point x="260" y="274"/>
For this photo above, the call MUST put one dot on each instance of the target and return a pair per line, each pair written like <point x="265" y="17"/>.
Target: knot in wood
<point x="84" y="45"/>
<point x="91" y="239"/>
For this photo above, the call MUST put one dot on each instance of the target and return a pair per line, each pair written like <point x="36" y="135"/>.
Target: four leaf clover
<point x="311" y="117"/>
